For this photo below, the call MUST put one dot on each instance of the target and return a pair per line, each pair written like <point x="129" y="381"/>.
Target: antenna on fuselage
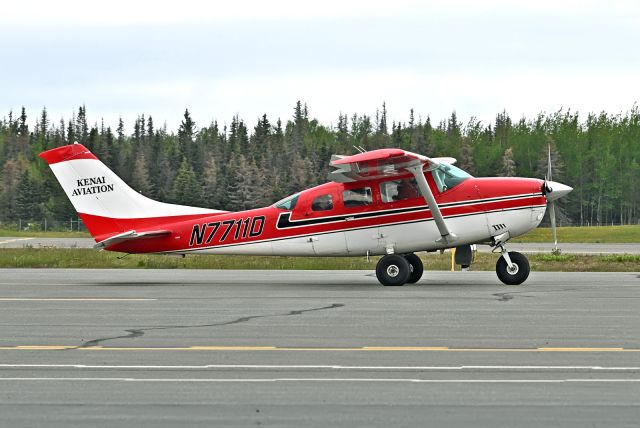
<point x="360" y="149"/>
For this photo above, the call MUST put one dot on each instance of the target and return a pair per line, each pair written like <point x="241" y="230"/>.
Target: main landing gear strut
<point x="399" y="269"/>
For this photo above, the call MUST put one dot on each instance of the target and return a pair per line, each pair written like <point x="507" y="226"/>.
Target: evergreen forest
<point x="244" y="165"/>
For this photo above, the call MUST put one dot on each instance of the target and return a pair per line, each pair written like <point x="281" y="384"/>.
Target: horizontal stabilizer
<point x="131" y="234"/>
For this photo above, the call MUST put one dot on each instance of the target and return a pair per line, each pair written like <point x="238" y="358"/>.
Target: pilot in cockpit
<point x="406" y="190"/>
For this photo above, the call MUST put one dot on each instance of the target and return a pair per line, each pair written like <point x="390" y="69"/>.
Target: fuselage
<point x="353" y="219"/>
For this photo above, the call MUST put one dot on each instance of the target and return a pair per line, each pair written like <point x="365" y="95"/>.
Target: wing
<point x="378" y="164"/>
<point x="389" y="163"/>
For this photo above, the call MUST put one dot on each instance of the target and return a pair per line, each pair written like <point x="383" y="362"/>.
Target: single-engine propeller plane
<point x="387" y="202"/>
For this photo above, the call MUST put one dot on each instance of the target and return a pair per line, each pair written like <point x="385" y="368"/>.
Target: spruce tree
<point x="210" y="183"/>
<point x="187" y="129"/>
<point x="23" y="128"/>
<point x="120" y="130"/>
<point x="186" y="188"/>
<point x="140" y="181"/>
<point x="28" y="199"/>
<point x="383" y="120"/>
<point x="44" y="121"/>
<point x="82" y="128"/>
<point x="150" y="129"/>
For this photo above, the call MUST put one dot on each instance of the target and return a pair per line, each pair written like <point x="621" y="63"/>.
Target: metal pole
<point x="453" y="258"/>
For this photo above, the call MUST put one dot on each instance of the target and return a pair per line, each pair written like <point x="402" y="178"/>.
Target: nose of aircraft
<point x="556" y="190"/>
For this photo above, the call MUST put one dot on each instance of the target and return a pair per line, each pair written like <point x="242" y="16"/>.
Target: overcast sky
<point x="123" y="58"/>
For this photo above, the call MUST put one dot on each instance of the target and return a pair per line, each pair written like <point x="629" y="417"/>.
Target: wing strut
<point x="447" y="236"/>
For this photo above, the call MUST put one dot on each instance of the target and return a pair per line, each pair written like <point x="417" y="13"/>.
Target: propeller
<point x="552" y="205"/>
<point x="553" y="190"/>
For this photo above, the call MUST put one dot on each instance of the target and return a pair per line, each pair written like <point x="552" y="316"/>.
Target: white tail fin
<point x="106" y="204"/>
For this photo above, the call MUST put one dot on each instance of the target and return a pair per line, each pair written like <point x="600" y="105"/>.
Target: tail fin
<point x="106" y="204"/>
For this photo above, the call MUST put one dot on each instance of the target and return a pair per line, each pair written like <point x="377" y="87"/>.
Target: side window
<point x="357" y="197"/>
<point x="322" y="203"/>
<point x="287" y="203"/>
<point x="399" y="190"/>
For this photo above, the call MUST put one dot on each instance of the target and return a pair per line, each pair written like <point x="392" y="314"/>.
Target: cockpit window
<point x="448" y="176"/>
<point x="288" y="203"/>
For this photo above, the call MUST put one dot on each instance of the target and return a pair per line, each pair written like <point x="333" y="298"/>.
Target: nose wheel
<point x="512" y="268"/>
<point x="395" y="270"/>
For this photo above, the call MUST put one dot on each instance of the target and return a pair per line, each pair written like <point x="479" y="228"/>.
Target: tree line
<point x="241" y="165"/>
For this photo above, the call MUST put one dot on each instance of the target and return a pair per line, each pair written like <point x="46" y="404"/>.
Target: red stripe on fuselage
<point x="182" y="229"/>
<point x="102" y="228"/>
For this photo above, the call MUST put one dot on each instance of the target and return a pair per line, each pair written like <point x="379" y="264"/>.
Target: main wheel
<point x="518" y="273"/>
<point x="393" y="270"/>
<point x="416" y="268"/>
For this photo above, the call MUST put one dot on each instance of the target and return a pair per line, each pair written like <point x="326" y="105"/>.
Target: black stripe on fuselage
<point x="285" y="222"/>
<point x="302" y="235"/>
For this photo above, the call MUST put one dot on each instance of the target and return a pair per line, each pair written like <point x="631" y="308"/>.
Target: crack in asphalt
<point x="138" y="332"/>
<point x="509" y="295"/>
<point x="503" y="297"/>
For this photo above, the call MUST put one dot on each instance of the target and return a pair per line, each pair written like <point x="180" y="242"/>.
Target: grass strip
<point x="42" y="234"/>
<point x="88" y="258"/>
<point x="593" y="234"/>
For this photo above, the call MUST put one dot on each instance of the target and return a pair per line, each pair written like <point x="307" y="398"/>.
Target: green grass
<point x="4" y="231"/>
<point x="88" y="258"/>
<point x="593" y="234"/>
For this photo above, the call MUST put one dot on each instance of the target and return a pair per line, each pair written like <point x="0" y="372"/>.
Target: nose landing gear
<point x="512" y="267"/>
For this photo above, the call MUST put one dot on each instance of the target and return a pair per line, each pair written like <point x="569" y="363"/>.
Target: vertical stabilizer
<point x="106" y="204"/>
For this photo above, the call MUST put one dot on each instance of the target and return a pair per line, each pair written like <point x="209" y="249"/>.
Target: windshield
<point x="287" y="203"/>
<point x="448" y="176"/>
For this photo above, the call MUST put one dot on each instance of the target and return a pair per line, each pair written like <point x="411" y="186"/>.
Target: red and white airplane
<point x="387" y="202"/>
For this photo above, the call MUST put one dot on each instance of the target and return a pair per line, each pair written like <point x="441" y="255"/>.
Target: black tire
<point x="521" y="272"/>
<point x="416" y="268"/>
<point x="393" y="270"/>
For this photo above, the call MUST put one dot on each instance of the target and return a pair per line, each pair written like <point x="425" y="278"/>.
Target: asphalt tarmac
<point x="534" y="247"/>
<point x="317" y="348"/>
